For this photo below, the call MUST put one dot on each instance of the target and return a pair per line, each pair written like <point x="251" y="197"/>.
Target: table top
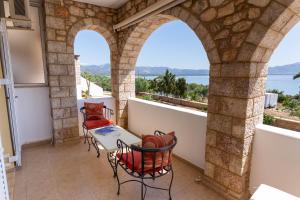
<point x="267" y="192"/>
<point x="108" y="136"/>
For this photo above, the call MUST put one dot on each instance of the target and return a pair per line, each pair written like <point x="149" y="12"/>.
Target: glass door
<point x="8" y="84"/>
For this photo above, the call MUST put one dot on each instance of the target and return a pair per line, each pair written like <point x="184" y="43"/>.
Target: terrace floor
<point x="71" y="172"/>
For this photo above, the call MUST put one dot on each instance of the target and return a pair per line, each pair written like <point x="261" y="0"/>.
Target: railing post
<point x="3" y="180"/>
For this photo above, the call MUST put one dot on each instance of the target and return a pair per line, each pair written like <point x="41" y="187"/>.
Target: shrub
<point x="296" y="112"/>
<point x="291" y="103"/>
<point x="142" y="85"/>
<point x="268" y="119"/>
<point x="147" y="97"/>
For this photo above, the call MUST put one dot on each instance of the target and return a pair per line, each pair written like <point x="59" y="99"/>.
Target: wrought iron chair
<point x="146" y="163"/>
<point x="95" y="121"/>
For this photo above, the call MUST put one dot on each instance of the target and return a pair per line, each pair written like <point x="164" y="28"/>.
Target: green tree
<point x="297" y="75"/>
<point x="180" y="88"/>
<point x="88" y="78"/>
<point x="141" y="85"/>
<point x="104" y="82"/>
<point x="169" y="80"/>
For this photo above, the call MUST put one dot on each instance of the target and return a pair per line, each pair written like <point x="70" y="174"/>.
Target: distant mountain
<point x="290" y="69"/>
<point x="145" y="71"/>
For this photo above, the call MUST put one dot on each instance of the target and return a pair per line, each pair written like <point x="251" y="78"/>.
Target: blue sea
<point x="281" y="82"/>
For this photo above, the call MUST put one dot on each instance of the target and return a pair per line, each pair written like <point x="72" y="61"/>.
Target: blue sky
<point x="175" y="45"/>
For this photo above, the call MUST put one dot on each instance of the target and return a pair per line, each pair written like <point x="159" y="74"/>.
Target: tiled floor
<point x="70" y="172"/>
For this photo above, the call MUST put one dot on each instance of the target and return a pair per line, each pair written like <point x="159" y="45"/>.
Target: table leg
<point x="112" y="159"/>
<point x="94" y="142"/>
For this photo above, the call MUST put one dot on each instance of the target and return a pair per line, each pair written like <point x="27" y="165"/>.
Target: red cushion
<point x="128" y="161"/>
<point x="94" y="111"/>
<point x="91" y="124"/>
<point x="137" y="165"/>
<point x="157" y="141"/>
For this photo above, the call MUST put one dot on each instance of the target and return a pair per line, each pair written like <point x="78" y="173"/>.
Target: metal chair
<point x="146" y="163"/>
<point x="101" y="120"/>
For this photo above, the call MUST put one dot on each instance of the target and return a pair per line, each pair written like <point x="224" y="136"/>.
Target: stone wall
<point x="177" y="101"/>
<point x="287" y="124"/>
<point x="62" y="25"/>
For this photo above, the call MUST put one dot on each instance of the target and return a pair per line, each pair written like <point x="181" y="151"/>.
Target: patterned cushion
<point x="153" y="141"/>
<point x="94" y="111"/>
<point x="91" y="124"/>
<point x="133" y="160"/>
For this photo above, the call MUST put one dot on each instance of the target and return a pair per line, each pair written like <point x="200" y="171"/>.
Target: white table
<point x="107" y="137"/>
<point x="265" y="192"/>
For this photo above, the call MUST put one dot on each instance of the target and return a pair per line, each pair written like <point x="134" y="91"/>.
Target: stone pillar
<point x="125" y="89"/>
<point x="236" y="97"/>
<point x="61" y="75"/>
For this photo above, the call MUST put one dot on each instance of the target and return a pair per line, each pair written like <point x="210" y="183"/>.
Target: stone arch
<point x="137" y="35"/>
<point x="132" y="40"/>
<point x="104" y="30"/>
<point x="266" y="34"/>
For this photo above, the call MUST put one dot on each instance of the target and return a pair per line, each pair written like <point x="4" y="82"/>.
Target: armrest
<point x="157" y="132"/>
<point x="82" y="110"/>
<point x="108" y="112"/>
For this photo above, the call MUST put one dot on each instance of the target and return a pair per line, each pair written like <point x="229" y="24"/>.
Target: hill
<point x="290" y="69"/>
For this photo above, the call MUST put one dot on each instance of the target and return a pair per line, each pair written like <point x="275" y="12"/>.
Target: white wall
<point x="276" y="159"/>
<point x="95" y="90"/>
<point x="189" y="125"/>
<point x="27" y="53"/>
<point x="33" y="114"/>
<point x="108" y="101"/>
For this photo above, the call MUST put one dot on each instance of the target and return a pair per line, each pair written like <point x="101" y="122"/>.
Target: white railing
<point x="3" y="180"/>
<point x="144" y="117"/>
<point x="276" y="159"/>
<point x="108" y="101"/>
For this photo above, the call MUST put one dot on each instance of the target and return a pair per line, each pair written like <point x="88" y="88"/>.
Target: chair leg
<point x="84" y="135"/>
<point x="142" y="189"/>
<point x="172" y="174"/>
<point x="87" y="137"/>
<point x="116" y="173"/>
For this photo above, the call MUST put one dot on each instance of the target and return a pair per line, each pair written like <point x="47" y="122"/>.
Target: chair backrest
<point x="93" y="111"/>
<point x="156" y="161"/>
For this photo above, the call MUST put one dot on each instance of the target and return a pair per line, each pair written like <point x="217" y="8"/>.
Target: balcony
<point x="227" y="150"/>
<point x="70" y="171"/>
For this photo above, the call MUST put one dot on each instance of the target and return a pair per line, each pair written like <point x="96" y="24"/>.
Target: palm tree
<point x="297" y="76"/>
<point x="169" y="80"/>
<point x="181" y="88"/>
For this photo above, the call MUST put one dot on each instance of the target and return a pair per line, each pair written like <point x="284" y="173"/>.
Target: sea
<point x="283" y="83"/>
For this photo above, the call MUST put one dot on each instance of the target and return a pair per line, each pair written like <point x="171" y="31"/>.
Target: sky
<point x="176" y="45"/>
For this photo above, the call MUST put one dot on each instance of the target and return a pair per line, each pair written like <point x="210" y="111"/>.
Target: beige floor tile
<point x="70" y="172"/>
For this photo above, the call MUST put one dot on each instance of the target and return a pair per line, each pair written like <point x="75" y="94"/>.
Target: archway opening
<point x="172" y="64"/>
<point x="92" y="65"/>
<point x="283" y="82"/>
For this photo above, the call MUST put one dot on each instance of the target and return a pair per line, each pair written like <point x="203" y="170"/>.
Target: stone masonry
<point x="239" y="37"/>
<point x="63" y="22"/>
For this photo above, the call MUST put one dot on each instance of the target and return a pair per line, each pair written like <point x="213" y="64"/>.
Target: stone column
<point x="125" y="87"/>
<point x="236" y="97"/>
<point x="61" y="74"/>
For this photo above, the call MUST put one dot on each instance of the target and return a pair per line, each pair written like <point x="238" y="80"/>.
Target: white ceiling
<point x="105" y="3"/>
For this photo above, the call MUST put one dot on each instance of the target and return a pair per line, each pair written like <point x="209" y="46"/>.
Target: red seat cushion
<point x="91" y="124"/>
<point x="128" y="160"/>
<point x="94" y="111"/>
<point x="149" y="141"/>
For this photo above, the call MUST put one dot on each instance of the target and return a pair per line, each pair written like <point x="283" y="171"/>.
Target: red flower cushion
<point x="91" y="124"/>
<point x="94" y="111"/>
